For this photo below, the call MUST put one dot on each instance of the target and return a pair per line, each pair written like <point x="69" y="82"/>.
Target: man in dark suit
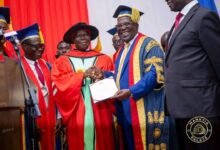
<point x="192" y="74"/>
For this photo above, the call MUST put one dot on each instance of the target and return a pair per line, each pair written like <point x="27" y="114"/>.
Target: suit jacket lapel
<point x="180" y="28"/>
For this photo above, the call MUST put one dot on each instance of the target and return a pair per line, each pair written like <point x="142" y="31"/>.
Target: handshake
<point x="94" y="73"/>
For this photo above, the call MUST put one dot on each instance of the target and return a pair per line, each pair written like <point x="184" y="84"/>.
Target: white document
<point x="103" y="89"/>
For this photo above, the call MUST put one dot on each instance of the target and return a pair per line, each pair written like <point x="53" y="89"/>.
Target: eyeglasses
<point x="4" y="28"/>
<point x="126" y="24"/>
<point x="64" y="47"/>
<point x="36" y="47"/>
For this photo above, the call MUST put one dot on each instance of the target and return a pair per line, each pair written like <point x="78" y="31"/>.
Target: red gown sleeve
<point x="104" y="63"/>
<point x="68" y="86"/>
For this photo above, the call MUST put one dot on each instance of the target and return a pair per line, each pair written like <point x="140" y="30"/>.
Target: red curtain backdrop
<point x="53" y="16"/>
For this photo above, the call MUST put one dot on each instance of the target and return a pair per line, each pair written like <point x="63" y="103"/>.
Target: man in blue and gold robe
<point x="139" y="77"/>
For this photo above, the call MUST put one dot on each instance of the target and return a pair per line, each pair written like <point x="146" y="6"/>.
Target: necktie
<point x="39" y="73"/>
<point x="177" y="21"/>
<point x="123" y="56"/>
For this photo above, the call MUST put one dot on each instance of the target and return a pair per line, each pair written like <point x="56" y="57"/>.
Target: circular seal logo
<point x="199" y="129"/>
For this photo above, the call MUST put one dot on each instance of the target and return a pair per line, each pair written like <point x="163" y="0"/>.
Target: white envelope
<point x="103" y="89"/>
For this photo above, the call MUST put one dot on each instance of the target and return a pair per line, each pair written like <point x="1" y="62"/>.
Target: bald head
<point x="163" y="40"/>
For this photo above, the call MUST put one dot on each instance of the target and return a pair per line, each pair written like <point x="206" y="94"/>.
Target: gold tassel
<point x="135" y="15"/>
<point x="1" y="3"/>
<point x="10" y="27"/>
<point x="98" y="46"/>
<point x="41" y="36"/>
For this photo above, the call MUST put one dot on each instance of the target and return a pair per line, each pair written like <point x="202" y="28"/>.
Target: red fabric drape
<point x="53" y="16"/>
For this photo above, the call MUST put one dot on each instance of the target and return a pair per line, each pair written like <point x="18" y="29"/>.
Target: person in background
<point x="6" y="48"/>
<point x="62" y="48"/>
<point x="88" y="125"/>
<point x="61" y="143"/>
<point x="163" y="40"/>
<point x="38" y="72"/>
<point x="173" y="136"/>
<point x="139" y="77"/>
<point x="192" y="75"/>
<point x="116" y="41"/>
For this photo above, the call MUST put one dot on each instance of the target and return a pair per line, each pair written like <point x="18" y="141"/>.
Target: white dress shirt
<point x="44" y="88"/>
<point x="184" y="11"/>
<point x="187" y="8"/>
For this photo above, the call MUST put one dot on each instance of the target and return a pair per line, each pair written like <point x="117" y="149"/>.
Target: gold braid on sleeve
<point x="157" y="63"/>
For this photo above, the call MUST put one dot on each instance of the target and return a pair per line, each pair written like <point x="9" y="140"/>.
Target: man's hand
<point x="122" y="94"/>
<point x="98" y="74"/>
<point x="94" y="73"/>
<point x="87" y="73"/>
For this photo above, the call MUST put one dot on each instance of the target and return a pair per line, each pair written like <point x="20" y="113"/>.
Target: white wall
<point x="217" y="2"/>
<point x="156" y="20"/>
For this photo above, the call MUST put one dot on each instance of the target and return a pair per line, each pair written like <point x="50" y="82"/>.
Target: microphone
<point x="12" y="37"/>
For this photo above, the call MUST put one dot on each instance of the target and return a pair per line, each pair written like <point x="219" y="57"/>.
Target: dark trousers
<point x="186" y="144"/>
